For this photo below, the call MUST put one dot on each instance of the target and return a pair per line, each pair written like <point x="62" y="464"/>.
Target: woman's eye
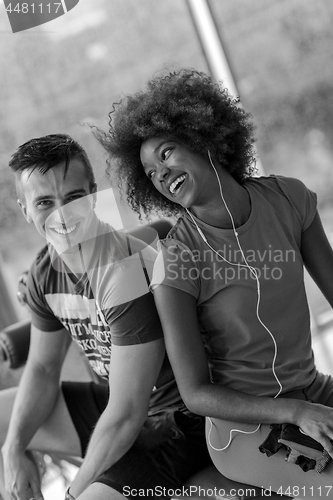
<point x="166" y="153"/>
<point x="150" y="174"/>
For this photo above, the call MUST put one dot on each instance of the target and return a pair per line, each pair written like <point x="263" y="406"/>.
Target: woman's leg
<point x="210" y="479"/>
<point x="242" y="461"/>
<point x="99" y="491"/>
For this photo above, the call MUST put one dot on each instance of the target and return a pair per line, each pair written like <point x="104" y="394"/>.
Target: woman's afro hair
<point x="186" y="106"/>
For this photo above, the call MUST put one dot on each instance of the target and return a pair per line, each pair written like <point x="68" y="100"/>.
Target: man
<point x="89" y="283"/>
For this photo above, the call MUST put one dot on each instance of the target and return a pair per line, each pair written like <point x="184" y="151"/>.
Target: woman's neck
<point x="215" y="212"/>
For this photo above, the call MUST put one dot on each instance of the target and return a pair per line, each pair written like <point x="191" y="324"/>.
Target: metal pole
<point x="213" y="50"/>
<point x="211" y="44"/>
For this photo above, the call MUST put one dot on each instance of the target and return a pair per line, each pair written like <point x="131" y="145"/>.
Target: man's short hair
<point x="44" y="153"/>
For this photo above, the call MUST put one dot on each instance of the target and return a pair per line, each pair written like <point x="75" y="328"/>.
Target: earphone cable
<point x="255" y="274"/>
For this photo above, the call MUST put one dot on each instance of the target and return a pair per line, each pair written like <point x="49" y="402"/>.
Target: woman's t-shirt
<point x="239" y="348"/>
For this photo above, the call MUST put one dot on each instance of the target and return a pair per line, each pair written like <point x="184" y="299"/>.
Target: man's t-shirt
<point x="109" y="304"/>
<point x="239" y="348"/>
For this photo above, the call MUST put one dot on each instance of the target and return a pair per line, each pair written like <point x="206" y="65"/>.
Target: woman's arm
<point x="178" y="314"/>
<point x="317" y="255"/>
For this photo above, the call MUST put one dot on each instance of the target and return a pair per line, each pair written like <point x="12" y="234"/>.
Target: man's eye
<point x="150" y="174"/>
<point x="43" y="203"/>
<point x="74" y="197"/>
<point x="166" y="153"/>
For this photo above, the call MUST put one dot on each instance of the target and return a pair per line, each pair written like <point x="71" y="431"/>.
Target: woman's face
<point x="179" y="174"/>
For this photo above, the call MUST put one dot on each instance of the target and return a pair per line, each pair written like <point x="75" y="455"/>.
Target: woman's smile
<point x="176" y="172"/>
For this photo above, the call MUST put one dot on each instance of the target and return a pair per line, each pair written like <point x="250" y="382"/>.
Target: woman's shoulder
<point x="282" y="192"/>
<point x="287" y="186"/>
<point x="181" y="235"/>
<point x="176" y="262"/>
<point x="176" y="229"/>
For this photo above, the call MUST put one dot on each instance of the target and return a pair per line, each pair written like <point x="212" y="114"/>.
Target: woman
<point x="228" y="282"/>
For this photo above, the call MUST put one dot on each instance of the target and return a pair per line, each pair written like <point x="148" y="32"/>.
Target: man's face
<point x="61" y="207"/>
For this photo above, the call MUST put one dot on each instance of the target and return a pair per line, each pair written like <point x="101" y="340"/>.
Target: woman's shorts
<point x="170" y="447"/>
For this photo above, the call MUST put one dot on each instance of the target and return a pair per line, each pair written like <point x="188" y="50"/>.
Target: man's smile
<point x="63" y="230"/>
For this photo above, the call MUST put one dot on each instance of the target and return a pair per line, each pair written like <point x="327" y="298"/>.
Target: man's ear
<point x="24" y="211"/>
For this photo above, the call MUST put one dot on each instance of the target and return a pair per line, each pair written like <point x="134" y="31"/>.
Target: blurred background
<point x="61" y="75"/>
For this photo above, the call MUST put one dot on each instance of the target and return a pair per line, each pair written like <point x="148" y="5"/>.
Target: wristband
<point x="68" y="496"/>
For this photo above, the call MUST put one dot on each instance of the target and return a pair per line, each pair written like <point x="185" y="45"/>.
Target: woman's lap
<point x="242" y="461"/>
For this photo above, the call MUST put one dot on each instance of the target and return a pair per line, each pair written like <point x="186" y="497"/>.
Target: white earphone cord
<point x="255" y="274"/>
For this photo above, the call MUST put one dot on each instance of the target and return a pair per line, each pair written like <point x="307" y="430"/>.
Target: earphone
<point x="255" y="274"/>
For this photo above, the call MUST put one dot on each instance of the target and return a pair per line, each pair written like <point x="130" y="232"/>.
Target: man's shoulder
<point x="42" y="267"/>
<point x="42" y="260"/>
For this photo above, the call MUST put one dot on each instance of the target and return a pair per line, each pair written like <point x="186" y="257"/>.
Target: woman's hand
<point x="316" y="421"/>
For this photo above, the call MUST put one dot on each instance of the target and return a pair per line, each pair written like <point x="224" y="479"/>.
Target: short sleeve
<point x="134" y="322"/>
<point x="42" y="316"/>
<point x="176" y="266"/>
<point x="303" y="200"/>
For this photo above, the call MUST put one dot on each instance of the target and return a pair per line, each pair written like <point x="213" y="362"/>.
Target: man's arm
<point x="178" y="314"/>
<point x="317" y="255"/>
<point x="36" y="397"/>
<point x="133" y="373"/>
